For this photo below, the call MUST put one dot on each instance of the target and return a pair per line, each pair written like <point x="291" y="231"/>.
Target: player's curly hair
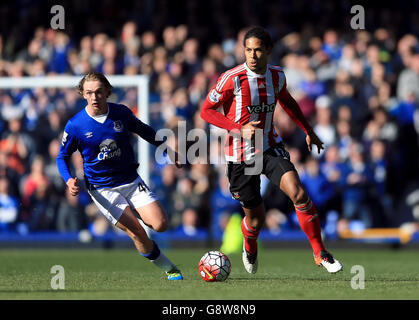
<point x="94" y="76"/>
<point x="259" y="33"/>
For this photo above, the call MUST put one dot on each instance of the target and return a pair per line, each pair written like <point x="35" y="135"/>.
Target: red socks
<point x="250" y="237"/>
<point x="310" y="224"/>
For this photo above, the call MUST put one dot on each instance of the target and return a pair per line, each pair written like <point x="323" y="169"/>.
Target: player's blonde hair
<point x="95" y="76"/>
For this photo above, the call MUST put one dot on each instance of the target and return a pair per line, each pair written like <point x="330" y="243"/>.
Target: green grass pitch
<point x="284" y="274"/>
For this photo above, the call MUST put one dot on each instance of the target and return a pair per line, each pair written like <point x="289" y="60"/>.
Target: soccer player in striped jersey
<point x="248" y="95"/>
<point x="101" y="132"/>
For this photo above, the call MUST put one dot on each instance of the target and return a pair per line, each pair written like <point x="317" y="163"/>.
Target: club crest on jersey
<point x="214" y="96"/>
<point x="118" y="126"/>
<point x="235" y="195"/>
<point x="263" y="108"/>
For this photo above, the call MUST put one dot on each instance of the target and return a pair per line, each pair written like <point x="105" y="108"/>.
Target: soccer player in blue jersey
<point x="101" y="132"/>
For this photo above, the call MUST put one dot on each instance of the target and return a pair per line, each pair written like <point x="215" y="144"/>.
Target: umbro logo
<point x="261" y="86"/>
<point x="89" y="134"/>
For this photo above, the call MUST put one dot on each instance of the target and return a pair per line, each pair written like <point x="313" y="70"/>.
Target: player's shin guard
<point x="310" y="224"/>
<point x="250" y="236"/>
<point x="159" y="259"/>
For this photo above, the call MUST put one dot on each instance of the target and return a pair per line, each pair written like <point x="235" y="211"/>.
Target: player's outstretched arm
<point x="175" y="158"/>
<point x="292" y="108"/>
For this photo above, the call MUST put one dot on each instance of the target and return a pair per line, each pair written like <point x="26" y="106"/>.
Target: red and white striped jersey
<point x="246" y="96"/>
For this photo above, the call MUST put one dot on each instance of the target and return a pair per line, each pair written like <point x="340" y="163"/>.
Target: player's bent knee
<point x="161" y="226"/>
<point x="299" y="197"/>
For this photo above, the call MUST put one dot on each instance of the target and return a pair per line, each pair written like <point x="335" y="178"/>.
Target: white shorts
<point x="113" y="201"/>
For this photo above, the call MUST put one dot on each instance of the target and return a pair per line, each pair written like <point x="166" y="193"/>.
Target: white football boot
<point x="327" y="261"/>
<point x="250" y="261"/>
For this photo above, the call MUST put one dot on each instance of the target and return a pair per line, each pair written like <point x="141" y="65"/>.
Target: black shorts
<point x="246" y="188"/>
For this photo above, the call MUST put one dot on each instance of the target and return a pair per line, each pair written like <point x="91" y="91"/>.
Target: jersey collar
<point x="100" y="118"/>
<point x="254" y="74"/>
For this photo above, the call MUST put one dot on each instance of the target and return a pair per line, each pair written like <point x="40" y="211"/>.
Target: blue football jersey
<point x="108" y="156"/>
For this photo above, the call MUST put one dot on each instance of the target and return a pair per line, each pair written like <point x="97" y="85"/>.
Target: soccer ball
<point x="214" y="266"/>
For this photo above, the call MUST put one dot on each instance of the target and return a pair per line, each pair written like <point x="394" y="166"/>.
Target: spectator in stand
<point x="190" y="226"/>
<point x="276" y="221"/>
<point x="148" y="42"/>
<point x="311" y="86"/>
<point x="164" y="184"/>
<point x="291" y="68"/>
<point x="85" y="49"/>
<point x="98" y="45"/>
<point x="296" y="158"/>
<point x="57" y="184"/>
<point x="377" y="156"/>
<point x="198" y="87"/>
<point x="184" y="198"/>
<point x="17" y="145"/>
<point x="347" y="58"/>
<point x="42" y="208"/>
<point x="48" y="128"/>
<point x="406" y="47"/>
<point x="111" y="57"/>
<point x="408" y="82"/>
<point x="36" y="179"/>
<point x="191" y="58"/>
<point x="209" y="68"/>
<point x="385" y="97"/>
<point x="9" y="206"/>
<point x="58" y="62"/>
<point x="170" y="41"/>
<point x="317" y="186"/>
<point x="131" y="58"/>
<point x="344" y="95"/>
<point x="71" y="215"/>
<point x="324" y="127"/>
<point x="175" y="69"/>
<point x="128" y="33"/>
<point x="10" y="174"/>
<point x="331" y="45"/>
<point x="332" y="165"/>
<point x="222" y="206"/>
<point x="345" y="138"/>
<point x="184" y="108"/>
<point x="381" y="126"/>
<point x="404" y="113"/>
<point x="357" y="180"/>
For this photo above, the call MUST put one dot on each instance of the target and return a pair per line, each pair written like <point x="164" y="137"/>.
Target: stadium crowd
<point x="358" y="88"/>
